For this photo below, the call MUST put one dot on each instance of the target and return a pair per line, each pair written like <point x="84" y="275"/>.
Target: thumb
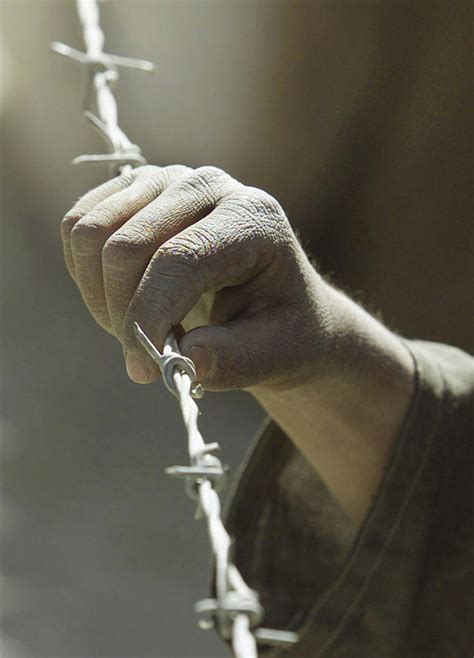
<point x="237" y="354"/>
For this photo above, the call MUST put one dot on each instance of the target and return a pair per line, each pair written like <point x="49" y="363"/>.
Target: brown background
<point x="356" y="116"/>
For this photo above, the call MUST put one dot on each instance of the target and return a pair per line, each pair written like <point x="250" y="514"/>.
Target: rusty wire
<point x="235" y="611"/>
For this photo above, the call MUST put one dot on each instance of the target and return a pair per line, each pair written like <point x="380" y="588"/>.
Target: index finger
<point x="226" y="248"/>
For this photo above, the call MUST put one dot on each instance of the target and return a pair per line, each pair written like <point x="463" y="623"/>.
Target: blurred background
<point x="356" y="116"/>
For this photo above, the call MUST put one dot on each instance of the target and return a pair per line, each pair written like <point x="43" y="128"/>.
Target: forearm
<point x="346" y="416"/>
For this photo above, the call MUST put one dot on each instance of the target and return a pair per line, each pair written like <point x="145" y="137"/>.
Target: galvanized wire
<point x="235" y="611"/>
<point x="100" y="106"/>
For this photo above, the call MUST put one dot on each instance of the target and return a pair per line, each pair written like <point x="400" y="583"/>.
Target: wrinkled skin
<point x="147" y="245"/>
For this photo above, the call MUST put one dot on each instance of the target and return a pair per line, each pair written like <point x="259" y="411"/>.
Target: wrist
<point x="345" y="413"/>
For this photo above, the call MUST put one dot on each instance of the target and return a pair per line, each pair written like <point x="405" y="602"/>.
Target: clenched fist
<point x="151" y="246"/>
<point x="195" y="249"/>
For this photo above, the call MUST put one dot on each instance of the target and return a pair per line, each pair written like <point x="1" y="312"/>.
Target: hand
<point x="147" y="246"/>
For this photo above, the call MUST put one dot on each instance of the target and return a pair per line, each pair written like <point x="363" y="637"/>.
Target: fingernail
<point x="203" y="359"/>
<point x="137" y="369"/>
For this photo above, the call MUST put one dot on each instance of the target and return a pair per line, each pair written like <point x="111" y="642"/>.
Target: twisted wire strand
<point x="100" y="104"/>
<point x="228" y="579"/>
<point x="94" y="40"/>
<point x="236" y="611"/>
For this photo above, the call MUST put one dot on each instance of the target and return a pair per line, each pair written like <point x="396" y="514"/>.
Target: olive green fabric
<point x="400" y="587"/>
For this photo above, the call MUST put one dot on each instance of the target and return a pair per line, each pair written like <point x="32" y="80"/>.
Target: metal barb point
<point x="104" y="60"/>
<point x="103" y="73"/>
<point x="234" y="603"/>
<point x="221" y="615"/>
<point x="168" y="362"/>
<point x="118" y="159"/>
<point x="275" y="638"/>
<point x="215" y="473"/>
<point x="236" y="611"/>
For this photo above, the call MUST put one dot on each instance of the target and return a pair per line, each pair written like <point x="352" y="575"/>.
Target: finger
<point x="239" y="348"/>
<point x="85" y="205"/>
<point x="226" y="248"/>
<point x="128" y="252"/>
<point x="238" y="354"/>
<point x="91" y="232"/>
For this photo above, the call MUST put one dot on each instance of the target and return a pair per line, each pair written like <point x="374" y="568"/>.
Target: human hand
<point x="148" y="245"/>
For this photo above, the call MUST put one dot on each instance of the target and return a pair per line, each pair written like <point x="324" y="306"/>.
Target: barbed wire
<point x="236" y="611"/>
<point x="103" y="73"/>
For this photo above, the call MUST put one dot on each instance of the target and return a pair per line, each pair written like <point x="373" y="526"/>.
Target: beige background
<point x="356" y="116"/>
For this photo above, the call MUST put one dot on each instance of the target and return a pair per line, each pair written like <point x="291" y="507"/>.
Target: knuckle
<point x="264" y="203"/>
<point x="208" y="181"/>
<point x="176" y="171"/>
<point x="181" y="251"/>
<point x="204" y="241"/>
<point x="146" y="170"/>
<point x="157" y="178"/>
<point x="126" y="246"/>
<point x="68" y="222"/>
<point x="152" y="178"/>
<point x="267" y="214"/>
<point x="87" y="234"/>
<point x="116" y="250"/>
<point x="181" y="260"/>
<point x="130" y="242"/>
<point x="210" y="173"/>
<point x="263" y="217"/>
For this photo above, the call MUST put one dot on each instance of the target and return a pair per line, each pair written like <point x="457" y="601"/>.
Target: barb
<point x="103" y="74"/>
<point x="236" y="611"/>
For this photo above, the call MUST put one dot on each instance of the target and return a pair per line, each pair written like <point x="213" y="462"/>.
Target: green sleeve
<point x="402" y="586"/>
